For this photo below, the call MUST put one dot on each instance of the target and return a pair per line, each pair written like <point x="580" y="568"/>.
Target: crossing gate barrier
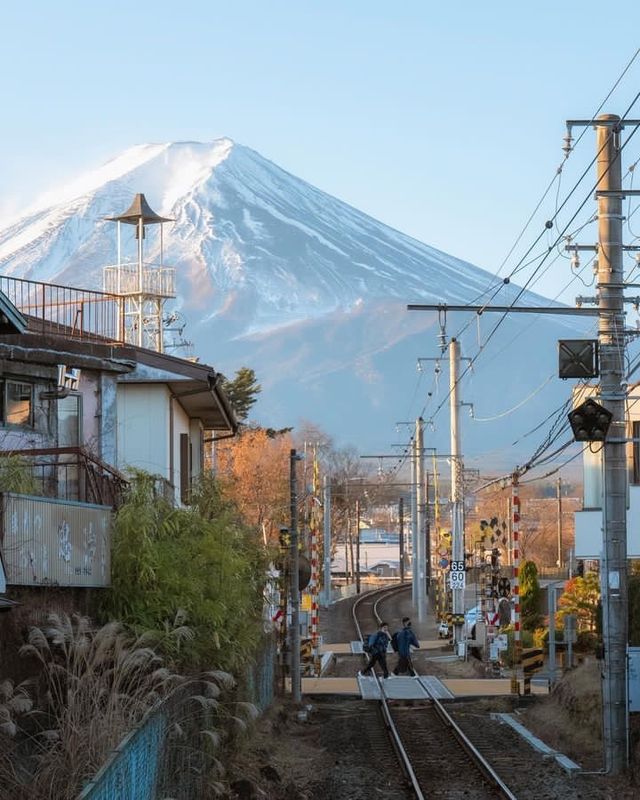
<point x="532" y="662"/>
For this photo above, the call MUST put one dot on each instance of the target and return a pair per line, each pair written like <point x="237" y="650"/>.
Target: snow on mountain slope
<point x="272" y="272"/>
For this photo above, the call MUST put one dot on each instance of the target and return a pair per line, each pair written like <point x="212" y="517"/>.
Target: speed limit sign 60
<point x="457" y="575"/>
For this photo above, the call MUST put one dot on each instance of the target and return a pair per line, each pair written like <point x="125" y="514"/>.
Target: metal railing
<point x="79" y="313"/>
<point x="125" y="279"/>
<point x="71" y="473"/>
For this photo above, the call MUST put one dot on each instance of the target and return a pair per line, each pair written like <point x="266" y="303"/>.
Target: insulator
<point x="575" y="260"/>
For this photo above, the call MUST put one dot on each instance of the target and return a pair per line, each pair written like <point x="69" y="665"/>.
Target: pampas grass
<point x="94" y="686"/>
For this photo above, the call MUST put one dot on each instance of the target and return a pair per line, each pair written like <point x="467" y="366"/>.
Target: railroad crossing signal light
<point x="590" y="422"/>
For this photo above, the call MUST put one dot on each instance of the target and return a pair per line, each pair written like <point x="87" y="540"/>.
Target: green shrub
<point x="196" y="566"/>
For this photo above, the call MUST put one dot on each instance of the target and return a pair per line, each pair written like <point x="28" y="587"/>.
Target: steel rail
<point x="477" y="758"/>
<point x="405" y="761"/>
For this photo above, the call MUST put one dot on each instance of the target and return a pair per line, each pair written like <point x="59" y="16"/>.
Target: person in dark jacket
<point x="405" y="639"/>
<point x="378" y="650"/>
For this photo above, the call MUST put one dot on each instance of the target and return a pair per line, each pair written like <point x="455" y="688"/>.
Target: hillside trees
<point x="253" y="470"/>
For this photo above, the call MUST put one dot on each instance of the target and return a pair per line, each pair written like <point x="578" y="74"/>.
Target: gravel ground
<point x="340" y="752"/>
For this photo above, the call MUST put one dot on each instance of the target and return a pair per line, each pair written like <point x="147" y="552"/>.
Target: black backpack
<point x="369" y="640"/>
<point x="394" y="642"/>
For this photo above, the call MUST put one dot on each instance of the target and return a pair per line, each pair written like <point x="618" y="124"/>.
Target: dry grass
<point x="94" y="687"/>
<point x="570" y="719"/>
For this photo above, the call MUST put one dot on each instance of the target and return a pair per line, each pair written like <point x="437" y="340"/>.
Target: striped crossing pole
<point x="515" y="530"/>
<point x="315" y="572"/>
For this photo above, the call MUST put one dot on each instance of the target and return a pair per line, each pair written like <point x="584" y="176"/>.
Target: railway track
<point x="437" y="757"/>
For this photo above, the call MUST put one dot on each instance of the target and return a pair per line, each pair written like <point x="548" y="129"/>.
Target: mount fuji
<point x="275" y="274"/>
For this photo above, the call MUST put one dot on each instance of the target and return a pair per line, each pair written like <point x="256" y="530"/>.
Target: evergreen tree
<point x="530" y="596"/>
<point x="242" y="391"/>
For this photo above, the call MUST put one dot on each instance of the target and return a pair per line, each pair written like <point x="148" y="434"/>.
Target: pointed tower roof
<point x="140" y="209"/>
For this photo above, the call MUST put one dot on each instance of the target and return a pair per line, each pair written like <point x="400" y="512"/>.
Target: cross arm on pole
<point x="560" y="310"/>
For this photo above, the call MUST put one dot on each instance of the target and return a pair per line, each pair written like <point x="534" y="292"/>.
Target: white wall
<point x="589" y="529"/>
<point x="143" y="428"/>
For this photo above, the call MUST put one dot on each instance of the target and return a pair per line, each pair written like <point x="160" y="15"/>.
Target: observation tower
<point x="145" y="286"/>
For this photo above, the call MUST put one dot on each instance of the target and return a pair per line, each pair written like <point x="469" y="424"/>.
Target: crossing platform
<point x="420" y="688"/>
<point x="403" y="688"/>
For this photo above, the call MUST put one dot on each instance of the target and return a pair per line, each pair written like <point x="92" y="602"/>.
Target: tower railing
<point x="125" y="279"/>
<point x="66" y="310"/>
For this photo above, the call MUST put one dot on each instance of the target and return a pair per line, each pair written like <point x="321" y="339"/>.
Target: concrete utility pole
<point x="420" y="521"/>
<point x="427" y="536"/>
<point x="357" y="547"/>
<point x="457" y="533"/>
<point x="559" y="497"/>
<point x="401" y="536"/>
<point x="326" y="506"/>
<point x="611" y="340"/>
<point x="296" y="684"/>
<point x="414" y="526"/>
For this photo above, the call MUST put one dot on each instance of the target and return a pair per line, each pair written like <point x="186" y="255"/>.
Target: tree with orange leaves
<point x="253" y="469"/>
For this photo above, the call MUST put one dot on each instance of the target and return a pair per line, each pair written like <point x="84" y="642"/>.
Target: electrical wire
<point x="518" y="405"/>
<point x="521" y="265"/>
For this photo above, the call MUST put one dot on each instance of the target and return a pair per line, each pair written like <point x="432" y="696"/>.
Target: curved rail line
<point x="494" y="781"/>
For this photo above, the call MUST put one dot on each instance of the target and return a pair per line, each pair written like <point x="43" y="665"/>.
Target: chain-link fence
<point x="134" y="767"/>
<point x="174" y="752"/>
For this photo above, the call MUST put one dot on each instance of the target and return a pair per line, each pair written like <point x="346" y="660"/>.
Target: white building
<point x="588" y="522"/>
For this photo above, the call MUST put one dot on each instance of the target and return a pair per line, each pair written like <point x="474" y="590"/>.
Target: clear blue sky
<point x="444" y="120"/>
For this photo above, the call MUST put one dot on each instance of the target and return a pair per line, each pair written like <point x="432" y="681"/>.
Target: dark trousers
<point x="404" y="665"/>
<point x="381" y="658"/>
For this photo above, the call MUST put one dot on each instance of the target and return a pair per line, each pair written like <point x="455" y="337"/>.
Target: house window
<point x="69" y="421"/>
<point x="636" y="452"/>
<point x="18" y="403"/>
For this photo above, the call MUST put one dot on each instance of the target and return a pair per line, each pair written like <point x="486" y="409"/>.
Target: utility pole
<point x="427" y="535"/>
<point x="611" y="338"/>
<point x="457" y="533"/>
<point x="357" y="546"/>
<point x="414" y="526"/>
<point x="401" y="536"/>
<point x="559" y="498"/>
<point x="296" y="684"/>
<point x="326" y="507"/>
<point x="420" y="517"/>
<point x="611" y="342"/>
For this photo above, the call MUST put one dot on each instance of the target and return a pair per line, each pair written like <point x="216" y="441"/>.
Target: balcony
<point x="124" y="279"/>
<point x="66" y="473"/>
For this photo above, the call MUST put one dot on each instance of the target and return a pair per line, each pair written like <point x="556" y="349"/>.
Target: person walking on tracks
<point x="377" y="650"/>
<point x="404" y="640"/>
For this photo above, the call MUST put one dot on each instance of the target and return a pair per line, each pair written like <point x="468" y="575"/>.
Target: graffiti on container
<point x="90" y="541"/>
<point x="64" y="541"/>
